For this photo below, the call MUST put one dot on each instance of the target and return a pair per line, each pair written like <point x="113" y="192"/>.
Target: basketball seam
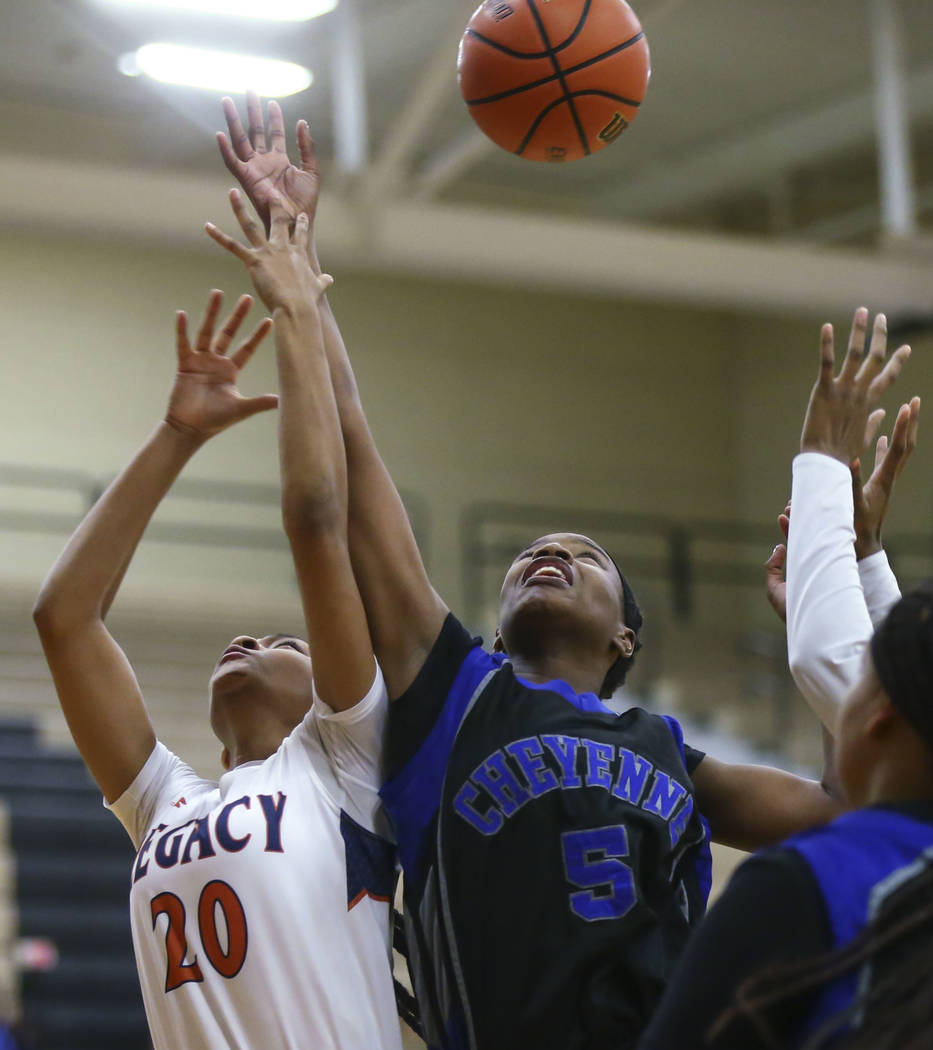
<point x="507" y="50"/>
<point x="555" y="76"/>
<point x="577" y="31"/>
<point x="560" y="74"/>
<point x="560" y="101"/>
<point x="535" y="54"/>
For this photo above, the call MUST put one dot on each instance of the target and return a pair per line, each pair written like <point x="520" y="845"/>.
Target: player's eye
<point x="590" y="554"/>
<point x="288" y="644"/>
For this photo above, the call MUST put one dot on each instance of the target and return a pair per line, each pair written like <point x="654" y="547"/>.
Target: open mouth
<point x="549" y="571"/>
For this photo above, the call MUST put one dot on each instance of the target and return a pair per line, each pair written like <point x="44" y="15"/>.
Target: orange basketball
<point x="553" y="79"/>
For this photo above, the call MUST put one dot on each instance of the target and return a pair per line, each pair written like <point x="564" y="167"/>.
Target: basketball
<point x="553" y="80"/>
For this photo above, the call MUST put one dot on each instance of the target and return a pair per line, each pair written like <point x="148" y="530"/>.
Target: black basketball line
<point x="559" y="102"/>
<point x="535" y="54"/>
<point x="563" y="83"/>
<point x="554" y="76"/>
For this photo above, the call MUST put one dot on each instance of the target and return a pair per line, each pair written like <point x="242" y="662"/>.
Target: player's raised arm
<point x="312" y="461"/>
<point x="405" y="614"/>
<point x="96" y="685"/>
<point x="828" y="622"/>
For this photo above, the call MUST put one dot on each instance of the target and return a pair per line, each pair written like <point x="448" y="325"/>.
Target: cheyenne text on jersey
<point x="497" y="789"/>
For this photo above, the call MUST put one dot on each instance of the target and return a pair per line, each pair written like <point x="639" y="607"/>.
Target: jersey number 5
<point x="607" y="886"/>
<point x="226" y="961"/>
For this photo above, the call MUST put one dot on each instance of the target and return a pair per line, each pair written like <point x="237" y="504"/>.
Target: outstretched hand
<point x="871" y="499"/>
<point x="278" y="265"/>
<point x="264" y="170"/>
<point x="205" y="399"/>
<point x="838" y="412"/>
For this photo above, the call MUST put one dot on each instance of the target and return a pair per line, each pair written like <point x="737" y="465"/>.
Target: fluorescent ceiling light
<point x="216" y="70"/>
<point x="272" y="10"/>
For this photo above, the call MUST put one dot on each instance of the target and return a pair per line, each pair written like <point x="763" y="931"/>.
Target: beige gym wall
<point x="473" y="393"/>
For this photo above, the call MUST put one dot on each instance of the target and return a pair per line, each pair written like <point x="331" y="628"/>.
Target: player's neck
<point x="899" y="777"/>
<point x="539" y="668"/>
<point x="257" y="741"/>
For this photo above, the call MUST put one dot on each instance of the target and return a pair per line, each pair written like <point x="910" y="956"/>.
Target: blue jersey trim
<point x="413" y="796"/>
<point x="588" y="702"/>
<point x="849" y="858"/>
<point x="703" y="862"/>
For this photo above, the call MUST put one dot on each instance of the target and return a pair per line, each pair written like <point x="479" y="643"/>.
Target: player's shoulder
<point x="165" y="791"/>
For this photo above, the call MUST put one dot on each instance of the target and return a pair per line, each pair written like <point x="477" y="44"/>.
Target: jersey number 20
<point x="226" y="961"/>
<point x="591" y="861"/>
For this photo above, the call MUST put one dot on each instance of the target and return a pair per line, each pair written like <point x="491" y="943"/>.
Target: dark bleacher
<point x="73" y="863"/>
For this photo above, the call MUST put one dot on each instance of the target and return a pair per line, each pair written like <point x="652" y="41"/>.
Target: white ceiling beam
<point x="754" y="159"/>
<point x="495" y="247"/>
<point x="431" y="92"/>
<point x="351" y="134"/>
<point x="895" y="169"/>
<point x="857" y="222"/>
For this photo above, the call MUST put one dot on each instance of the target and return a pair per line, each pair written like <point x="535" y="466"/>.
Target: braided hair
<point x="895" y="1009"/>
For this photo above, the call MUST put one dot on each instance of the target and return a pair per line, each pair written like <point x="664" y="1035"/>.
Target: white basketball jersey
<point x="260" y="904"/>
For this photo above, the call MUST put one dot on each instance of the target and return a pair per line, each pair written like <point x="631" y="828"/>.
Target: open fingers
<point x="892" y="369"/>
<point x="231" y="326"/>
<point x="206" y="331"/>
<point x="300" y="236"/>
<point x="246" y="351"/>
<point x="306" y="151"/>
<point x="881" y="447"/>
<point x="874" y="362"/>
<point x="827" y="356"/>
<point x="249" y="406"/>
<point x="234" y="165"/>
<point x="250" y="228"/>
<point x="279" y="221"/>
<point x="856" y="348"/>
<point x="276" y="127"/>
<point x="257" y="128"/>
<point x="871" y="426"/>
<point x="238" y="138"/>
<point x="855" y="470"/>
<point x="182" y="345"/>
<point x="893" y="459"/>
<point x="914" y="423"/>
<point x="232" y="246"/>
<point x="903" y="440"/>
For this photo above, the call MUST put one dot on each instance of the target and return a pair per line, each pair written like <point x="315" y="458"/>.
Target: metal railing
<point x="682" y="553"/>
<point x="219" y="533"/>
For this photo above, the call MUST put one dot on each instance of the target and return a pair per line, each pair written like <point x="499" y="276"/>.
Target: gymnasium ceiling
<point x="757" y="133"/>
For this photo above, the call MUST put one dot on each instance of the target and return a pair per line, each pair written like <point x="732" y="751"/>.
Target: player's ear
<point x="882" y="719"/>
<point x="225" y="759"/>
<point x="497" y="645"/>
<point x="624" y="640"/>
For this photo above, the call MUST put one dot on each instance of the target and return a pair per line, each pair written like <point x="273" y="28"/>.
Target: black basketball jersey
<point x="554" y="858"/>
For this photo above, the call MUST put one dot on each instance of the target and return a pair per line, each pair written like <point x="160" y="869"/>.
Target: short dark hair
<point x="902" y="655"/>
<point x="631" y="614"/>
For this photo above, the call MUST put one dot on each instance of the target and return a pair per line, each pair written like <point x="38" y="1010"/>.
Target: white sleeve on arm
<point x="828" y="626"/>
<point x="164" y="780"/>
<point x="879" y="585"/>
<point x="355" y="738"/>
